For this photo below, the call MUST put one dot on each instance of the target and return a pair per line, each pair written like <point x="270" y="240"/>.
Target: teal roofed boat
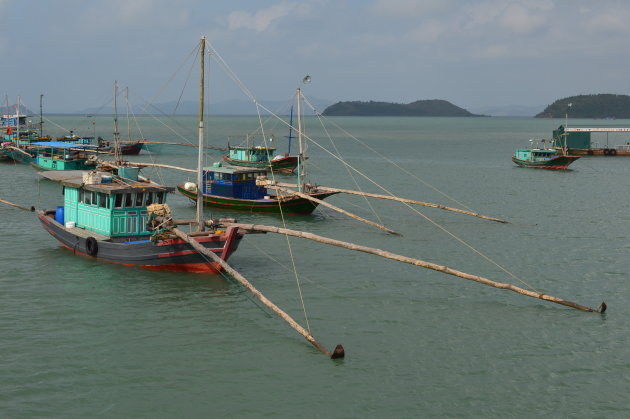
<point x="541" y="157"/>
<point x="56" y="155"/>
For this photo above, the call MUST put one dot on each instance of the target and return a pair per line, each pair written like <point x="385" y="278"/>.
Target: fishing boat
<point x="263" y="156"/>
<point x="235" y="189"/>
<point x="260" y="157"/>
<point x="56" y="155"/>
<point x="541" y="157"/>
<point x="111" y="218"/>
<point x="53" y="155"/>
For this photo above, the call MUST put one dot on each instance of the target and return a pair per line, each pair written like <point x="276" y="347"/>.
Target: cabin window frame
<point x="119" y="200"/>
<point x="103" y="200"/>
<point x="129" y="200"/>
<point x="139" y="201"/>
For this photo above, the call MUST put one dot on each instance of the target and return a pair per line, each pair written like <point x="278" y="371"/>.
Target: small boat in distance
<point x="542" y="157"/>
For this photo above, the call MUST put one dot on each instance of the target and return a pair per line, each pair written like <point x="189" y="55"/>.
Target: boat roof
<point x="232" y="169"/>
<point x="543" y="150"/>
<point x="242" y="147"/>
<point x="75" y="179"/>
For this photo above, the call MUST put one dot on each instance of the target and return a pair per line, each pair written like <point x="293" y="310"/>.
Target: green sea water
<point x="79" y="338"/>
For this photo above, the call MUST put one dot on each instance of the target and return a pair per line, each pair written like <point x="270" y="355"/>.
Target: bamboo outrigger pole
<point x="17" y="206"/>
<point x="143" y="165"/>
<point x="418" y="262"/>
<point x="18" y="149"/>
<point x="273" y="184"/>
<point x="326" y="204"/>
<point x="338" y="352"/>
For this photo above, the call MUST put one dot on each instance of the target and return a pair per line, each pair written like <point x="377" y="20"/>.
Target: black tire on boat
<point x="606" y="152"/>
<point x="590" y="152"/>
<point x="91" y="246"/>
<point x="612" y="152"/>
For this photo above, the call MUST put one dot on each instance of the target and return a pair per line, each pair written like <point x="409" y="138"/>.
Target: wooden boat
<point x="235" y="189"/>
<point x="542" y="157"/>
<point x="56" y="155"/>
<point x="111" y="220"/>
<point x="260" y="157"/>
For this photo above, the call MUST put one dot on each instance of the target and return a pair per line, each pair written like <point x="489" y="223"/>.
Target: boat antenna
<point x="202" y="51"/>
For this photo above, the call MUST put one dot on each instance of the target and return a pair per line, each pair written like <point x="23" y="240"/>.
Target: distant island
<point x="433" y="107"/>
<point x="589" y="106"/>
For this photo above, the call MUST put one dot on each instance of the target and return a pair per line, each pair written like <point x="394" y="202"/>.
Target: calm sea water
<point x="79" y="338"/>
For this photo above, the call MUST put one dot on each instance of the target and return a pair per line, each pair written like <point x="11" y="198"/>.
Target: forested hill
<point x="589" y="106"/>
<point x="434" y="107"/>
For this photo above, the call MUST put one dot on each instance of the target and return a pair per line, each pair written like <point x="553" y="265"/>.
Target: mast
<point x="301" y="171"/>
<point x="202" y="51"/>
<point x="41" y="116"/>
<point x="128" y="122"/>
<point x="290" y="137"/>
<point x="117" y="157"/>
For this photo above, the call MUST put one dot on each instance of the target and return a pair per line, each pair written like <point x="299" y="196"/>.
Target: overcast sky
<point x="472" y="53"/>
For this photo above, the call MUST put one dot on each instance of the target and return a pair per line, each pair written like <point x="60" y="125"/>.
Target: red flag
<point x="9" y="130"/>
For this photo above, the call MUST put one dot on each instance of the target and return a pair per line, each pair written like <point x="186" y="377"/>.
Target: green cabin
<point x="251" y="154"/>
<point x="56" y="155"/>
<point x="99" y="202"/>
<point x="535" y="154"/>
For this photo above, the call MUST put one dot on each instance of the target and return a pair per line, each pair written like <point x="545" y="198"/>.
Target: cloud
<point x="521" y="19"/>
<point x="260" y="20"/>
<point x="428" y="32"/>
<point x="411" y="9"/>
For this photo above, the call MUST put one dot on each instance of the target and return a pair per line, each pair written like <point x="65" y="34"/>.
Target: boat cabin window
<point x="88" y="197"/>
<point x="140" y="199"/>
<point x="103" y="200"/>
<point x="129" y="200"/>
<point x="118" y="200"/>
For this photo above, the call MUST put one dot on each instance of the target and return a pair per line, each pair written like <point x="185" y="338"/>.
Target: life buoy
<point x="606" y="152"/>
<point x="612" y="152"/>
<point x="91" y="246"/>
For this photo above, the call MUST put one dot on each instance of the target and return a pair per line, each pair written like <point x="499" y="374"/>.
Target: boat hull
<point x="291" y="206"/>
<point x="557" y="163"/>
<point x="126" y="148"/>
<point x="171" y="254"/>
<point x="285" y="164"/>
